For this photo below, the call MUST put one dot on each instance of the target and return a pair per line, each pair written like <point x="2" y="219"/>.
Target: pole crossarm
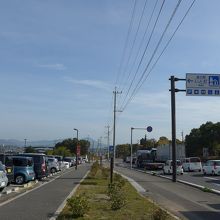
<point x="139" y="128"/>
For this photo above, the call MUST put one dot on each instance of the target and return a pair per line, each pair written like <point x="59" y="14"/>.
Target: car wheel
<point x="19" y="179"/>
<point x="53" y="170"/>
<point x="1" y="189"/>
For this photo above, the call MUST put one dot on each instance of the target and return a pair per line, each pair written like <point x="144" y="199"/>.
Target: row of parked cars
<point x="210" y="167"/>
<point x="24" y="167"/>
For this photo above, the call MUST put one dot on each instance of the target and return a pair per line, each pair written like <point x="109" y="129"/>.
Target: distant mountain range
<point x="42" y="143"/>
<point x="18" y="143"/>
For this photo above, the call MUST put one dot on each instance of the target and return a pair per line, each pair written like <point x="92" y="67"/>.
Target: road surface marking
<point x="211" y="178"/>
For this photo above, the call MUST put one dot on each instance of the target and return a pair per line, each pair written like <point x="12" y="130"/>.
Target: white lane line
<point x="22" y="194"/>
<point x="63" y="204"/>
<point x="211" y="178"/>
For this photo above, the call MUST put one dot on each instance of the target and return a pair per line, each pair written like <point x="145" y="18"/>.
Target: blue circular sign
<point x="149" y="129"/>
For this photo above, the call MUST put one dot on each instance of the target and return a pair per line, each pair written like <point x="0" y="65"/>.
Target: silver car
<point x="3" y="177"/>
<point x="53" y="165"/>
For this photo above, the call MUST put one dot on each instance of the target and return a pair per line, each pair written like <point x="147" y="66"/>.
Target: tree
<point x="163" y="140"/>
<point x="206" y="136"/>
<point x="62" y="151"/>
<point x="29" y="149"/>
<point x="71" y="145"/>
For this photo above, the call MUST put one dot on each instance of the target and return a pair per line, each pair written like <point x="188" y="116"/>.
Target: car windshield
<point x="195" y="159"/>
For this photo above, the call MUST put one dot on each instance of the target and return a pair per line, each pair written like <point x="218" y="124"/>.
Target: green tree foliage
<point x="70" y="144"/>
<point x="123" y="150"/>
<point x="62" y="151"/>
<point x="29" y="149"/>
<point x="206" y="136"/>
<point x="163" y="140"/>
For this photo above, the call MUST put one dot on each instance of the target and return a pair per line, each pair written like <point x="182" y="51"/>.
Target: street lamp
<point x="149" y="129"/>
<point x="77" y="136"/>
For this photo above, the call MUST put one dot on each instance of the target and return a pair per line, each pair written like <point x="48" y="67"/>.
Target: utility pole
<point x="25" y="142"/>
<point x="115" y="97"/>
<point x="173" y="91"/>
<point x="108" y="133"/>
<point x="182" y="137"/>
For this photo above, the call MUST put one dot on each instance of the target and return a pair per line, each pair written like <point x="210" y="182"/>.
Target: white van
<point x="168" y="167"/>
<point x="192" y="164"/>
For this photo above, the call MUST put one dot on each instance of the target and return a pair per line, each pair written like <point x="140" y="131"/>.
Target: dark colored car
<point x="40" y="167"/>
<point x="23" y="169"/>
<point x="6" y="159"/>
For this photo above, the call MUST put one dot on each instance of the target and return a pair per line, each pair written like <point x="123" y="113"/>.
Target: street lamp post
<point x="77" y="136"/>
<point x="149" y="129"/>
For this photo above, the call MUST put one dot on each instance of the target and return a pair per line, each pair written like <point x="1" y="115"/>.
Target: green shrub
<point x="105" y="172"/>
<point x="117" y="195"/>
<point x="78" y="205"/>
<point x="94" y="169"/>
<point x="119" y="179"/>
<point x="159" y="214"/>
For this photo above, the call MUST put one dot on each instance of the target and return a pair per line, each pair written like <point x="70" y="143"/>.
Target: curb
<point x="217" y="192"/>
<point x="63" y="204"/>
<point x="141" y="190"/>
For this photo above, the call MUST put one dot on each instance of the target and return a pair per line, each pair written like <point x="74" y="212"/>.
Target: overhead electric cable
<point x="152" y="32"/>
<point x="133" y="43"/>
<point x="126" y="42"/>
<point x="168" y="42"/>
<point x="139" y="49"/>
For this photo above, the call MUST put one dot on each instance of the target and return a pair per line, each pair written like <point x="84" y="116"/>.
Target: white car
<point x="168" y="167"/>
<point x="67" y="164"/>
<point x="192" y="164"/>
<point x="212" y="167"/>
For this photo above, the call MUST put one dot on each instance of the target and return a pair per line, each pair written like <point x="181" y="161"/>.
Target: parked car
<point x="212" y="167"/>
<point x="6" y="160"/>
<point x="3" y="177"/>
<point x="168" y="167"/>
<point x="53" y="165"/>
<point x="66" y="164"/>
<point x="40" y="167"/>
<point x="70" y="160"/>
<point x="23" y="169"/>
<point x="192" y="164"/>
<point x="60" y="161"/>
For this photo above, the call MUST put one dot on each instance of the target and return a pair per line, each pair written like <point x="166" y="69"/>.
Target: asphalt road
<point x="42" y="203"/>
<point x="212" y="182"/>
<point x="182" y="200"/>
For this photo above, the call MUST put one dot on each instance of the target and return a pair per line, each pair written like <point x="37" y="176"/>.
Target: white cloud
<point x="56" y="66"/>
<point x="91" y="83"/>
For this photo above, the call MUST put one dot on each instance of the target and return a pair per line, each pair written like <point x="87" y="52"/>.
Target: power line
<point x="146" y="47"/>
<point x="133" y="43"/>
<point x="167" y="44"/>
<point x="126" y="42"/>
<point x="138" y="51"/>
<point x="157" y="46"/>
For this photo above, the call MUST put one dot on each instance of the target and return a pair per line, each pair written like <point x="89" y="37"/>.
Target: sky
<point x="61" y="60"/>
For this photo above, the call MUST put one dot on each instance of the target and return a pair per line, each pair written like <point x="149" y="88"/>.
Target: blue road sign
<point x="149" y="129"/>
<point x="198" y="84"/>
<point x="111" y="149"/>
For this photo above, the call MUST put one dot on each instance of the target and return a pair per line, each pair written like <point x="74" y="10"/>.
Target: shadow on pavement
<point x="201" y="215"/>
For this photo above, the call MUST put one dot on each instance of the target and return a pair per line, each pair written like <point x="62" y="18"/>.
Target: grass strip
<point x="95" y="188"/>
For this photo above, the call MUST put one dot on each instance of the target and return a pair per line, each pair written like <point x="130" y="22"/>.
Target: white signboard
<point x="198" y="84"/>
